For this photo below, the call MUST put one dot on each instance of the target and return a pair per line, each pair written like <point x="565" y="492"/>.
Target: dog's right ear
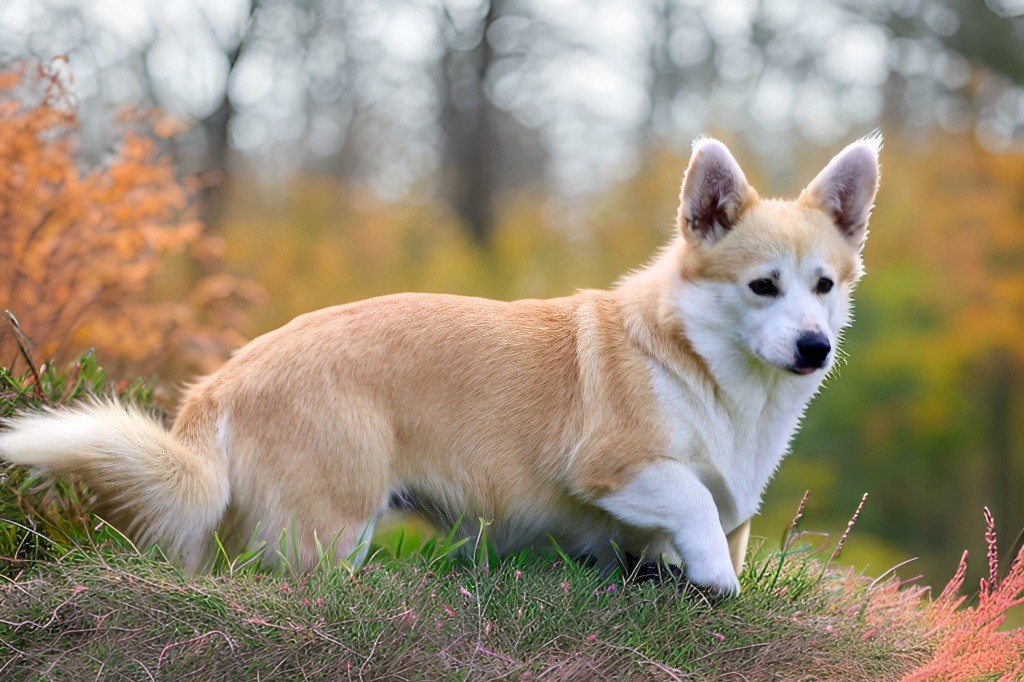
<point x="714" y="194"/>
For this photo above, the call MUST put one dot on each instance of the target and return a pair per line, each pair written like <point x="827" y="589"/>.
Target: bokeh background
<point x="210" y="169"/>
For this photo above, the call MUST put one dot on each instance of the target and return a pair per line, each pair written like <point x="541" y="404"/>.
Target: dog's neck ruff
<point x="724" y="412"/>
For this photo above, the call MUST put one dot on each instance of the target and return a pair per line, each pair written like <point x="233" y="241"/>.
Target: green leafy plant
<point x="43" y="518"/>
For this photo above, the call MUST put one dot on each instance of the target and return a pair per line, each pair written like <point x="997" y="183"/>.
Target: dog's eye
<point x="824" y="285"/>
<point x="764" y="287"/>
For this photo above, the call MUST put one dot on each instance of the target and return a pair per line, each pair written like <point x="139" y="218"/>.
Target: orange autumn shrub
<point x="107" y="255"/>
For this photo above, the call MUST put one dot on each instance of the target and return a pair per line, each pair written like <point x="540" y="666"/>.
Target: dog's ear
<point x="845" y="189"/>
<point x="714" y="193"/>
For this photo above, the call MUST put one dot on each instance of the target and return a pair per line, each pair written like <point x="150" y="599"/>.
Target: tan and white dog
<point x="651" y="414"/>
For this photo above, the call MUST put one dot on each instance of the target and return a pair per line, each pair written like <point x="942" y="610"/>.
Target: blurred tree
<point x="958" y="65"/>
<point x="216" y="127"/>
<point x="470" y="98"/>
<point x="469" y="117"/>
<point x="486" y="150"/>
<point x="975" y="247"/>
<point x="991" y="39"/>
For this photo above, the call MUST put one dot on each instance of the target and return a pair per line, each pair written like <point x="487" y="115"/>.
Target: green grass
<point x="43" y="517"/>
<point x="77" y="601"/>
<point x="110" y="613"/>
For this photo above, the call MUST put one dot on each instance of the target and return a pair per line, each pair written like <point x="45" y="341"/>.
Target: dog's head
<point x="769" y="278"/>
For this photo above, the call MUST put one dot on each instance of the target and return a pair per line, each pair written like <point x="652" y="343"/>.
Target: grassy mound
<point x="79" y="602"/>
<point x="114" y="615"/>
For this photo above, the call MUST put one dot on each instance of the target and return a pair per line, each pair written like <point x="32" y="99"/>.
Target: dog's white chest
<point x="740" y="445"/>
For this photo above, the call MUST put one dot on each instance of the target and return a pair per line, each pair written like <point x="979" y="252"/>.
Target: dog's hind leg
<point x="317" y="525"/>
<point x="738" y="539"/>
<point x="313" y="484"/>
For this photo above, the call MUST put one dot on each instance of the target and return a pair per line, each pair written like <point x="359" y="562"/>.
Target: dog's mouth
<point x="799" y="370"/>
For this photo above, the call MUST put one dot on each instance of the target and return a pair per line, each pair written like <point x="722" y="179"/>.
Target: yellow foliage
<point x="314" y="243"/>
<point x="946" y="260"/>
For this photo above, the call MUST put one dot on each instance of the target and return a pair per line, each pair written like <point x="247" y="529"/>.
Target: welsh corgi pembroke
<point x="650" y="415"/>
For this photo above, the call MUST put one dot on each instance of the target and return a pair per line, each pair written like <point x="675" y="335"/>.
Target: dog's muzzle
<point x="812" y="349"/>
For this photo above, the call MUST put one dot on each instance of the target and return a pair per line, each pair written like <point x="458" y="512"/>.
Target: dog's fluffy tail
<point x="149" y="485"/>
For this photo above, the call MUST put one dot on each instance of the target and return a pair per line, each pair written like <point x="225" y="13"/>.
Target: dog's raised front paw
<point x="719" y="580"/>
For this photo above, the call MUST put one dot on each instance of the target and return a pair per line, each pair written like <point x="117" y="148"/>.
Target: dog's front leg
<point x="668" y="497"/>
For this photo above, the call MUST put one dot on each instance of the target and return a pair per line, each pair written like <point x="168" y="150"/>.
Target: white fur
<point x="670" y="498"/>
<point x="767" y="327"/>
<point x="723" y="445"/>
<point x="724" y="441"/>
<point x="742" y="432"/>
<point x="224" y="436"/>
<point x="130" y="461"/>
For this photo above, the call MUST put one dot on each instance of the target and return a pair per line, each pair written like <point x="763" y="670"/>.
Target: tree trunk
<point x="469" y="122"/>
<point x="216" y="126"/>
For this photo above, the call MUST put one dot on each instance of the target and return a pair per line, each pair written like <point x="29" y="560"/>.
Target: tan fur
<point x="523" y="413"/>
<point x="526" y="404"/>
<point x="738" y="540"/>
<point x="771" y="227"/>
<point x="506" y="405"/>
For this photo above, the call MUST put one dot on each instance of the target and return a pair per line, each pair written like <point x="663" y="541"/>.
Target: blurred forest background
<point x="191" y="174"/>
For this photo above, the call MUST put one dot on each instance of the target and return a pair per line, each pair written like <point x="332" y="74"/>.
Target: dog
<point x="650" y="415"/>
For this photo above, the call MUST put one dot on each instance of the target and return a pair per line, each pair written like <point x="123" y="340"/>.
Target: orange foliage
<point x="85" y="250"/>
<point x="970" y="644"/>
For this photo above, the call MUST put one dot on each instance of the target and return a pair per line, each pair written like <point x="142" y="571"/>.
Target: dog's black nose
<point x="812" y="349"/>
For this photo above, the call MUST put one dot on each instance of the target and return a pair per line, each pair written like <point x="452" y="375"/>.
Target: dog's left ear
<point x="845" y="189"/>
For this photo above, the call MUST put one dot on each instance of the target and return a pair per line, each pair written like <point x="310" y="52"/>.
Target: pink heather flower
<point x="971" y="645"/>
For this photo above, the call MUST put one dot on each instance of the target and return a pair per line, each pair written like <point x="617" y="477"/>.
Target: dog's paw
<point x="717" y="580"/>
<point x="655" y="571"/>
